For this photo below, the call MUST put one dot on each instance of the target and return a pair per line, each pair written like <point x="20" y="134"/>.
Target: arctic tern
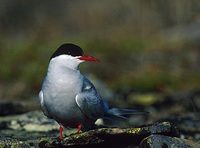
<point x="69" y="97"/>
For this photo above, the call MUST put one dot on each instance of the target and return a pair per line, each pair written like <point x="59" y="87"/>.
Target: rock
<point x="27" y="130"/>
<point x="158" y="141"/>
<point x="117" y="137"/>
<point x="13" y="143"/>
<point x="32" y="122"/>
<point x="33" y="129"/>
<point x="11" y="108"/>
<point x="188" y="124"/>
<point x="29" y="127"/>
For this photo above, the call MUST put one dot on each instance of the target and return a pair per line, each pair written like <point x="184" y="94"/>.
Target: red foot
<point x="61" y="132"/>
<point x="79" y="128"/>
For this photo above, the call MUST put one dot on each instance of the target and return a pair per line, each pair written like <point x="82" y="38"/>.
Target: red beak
<point x="88" y="58"/>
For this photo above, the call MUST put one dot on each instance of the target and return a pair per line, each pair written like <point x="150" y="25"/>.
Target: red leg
<point x="79" y="128"/>
<point x="61" y="132"/>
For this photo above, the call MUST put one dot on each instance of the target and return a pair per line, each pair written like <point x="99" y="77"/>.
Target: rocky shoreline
<point x="171" y="122"/>
<point x="33" y="129"/>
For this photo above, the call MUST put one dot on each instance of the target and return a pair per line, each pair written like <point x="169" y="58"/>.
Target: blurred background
<point x="146" y="48"/>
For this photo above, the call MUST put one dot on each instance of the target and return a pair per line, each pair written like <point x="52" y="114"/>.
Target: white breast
<point x="60" y="88"/>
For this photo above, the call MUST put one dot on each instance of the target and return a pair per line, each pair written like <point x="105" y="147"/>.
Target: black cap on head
<point x="68" y="49"/>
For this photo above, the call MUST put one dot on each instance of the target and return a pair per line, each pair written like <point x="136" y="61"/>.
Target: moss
<point x="134" y="131"/>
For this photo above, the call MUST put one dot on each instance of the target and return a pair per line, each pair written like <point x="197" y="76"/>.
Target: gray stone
<point x="115" y="137"/>
<point x="161" y="141"/>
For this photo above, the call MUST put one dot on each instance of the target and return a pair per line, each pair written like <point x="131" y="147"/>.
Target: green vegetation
<point x="141" y="45"/>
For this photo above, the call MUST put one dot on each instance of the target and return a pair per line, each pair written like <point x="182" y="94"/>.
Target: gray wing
<point x="44" y="109"/>
<point x="89" y="101"/>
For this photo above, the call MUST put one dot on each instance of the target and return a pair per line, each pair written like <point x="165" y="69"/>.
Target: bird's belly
<point x="68" y="113"/>
<point x="61" y="105"/>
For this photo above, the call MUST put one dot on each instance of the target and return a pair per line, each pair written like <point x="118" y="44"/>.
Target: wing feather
<point x="44" y="109"/>
<point x="89" y="101"/>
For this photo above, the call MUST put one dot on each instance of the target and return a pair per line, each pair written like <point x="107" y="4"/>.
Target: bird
<point x="69" y="97"/>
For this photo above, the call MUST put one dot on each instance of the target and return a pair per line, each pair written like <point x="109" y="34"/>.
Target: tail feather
<point x="112" y="116"/>
<point x="110" y="120"/>
<point x="120" y="113"/>
<point x="119" y="117"/>
<point x="125" y="112"/>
